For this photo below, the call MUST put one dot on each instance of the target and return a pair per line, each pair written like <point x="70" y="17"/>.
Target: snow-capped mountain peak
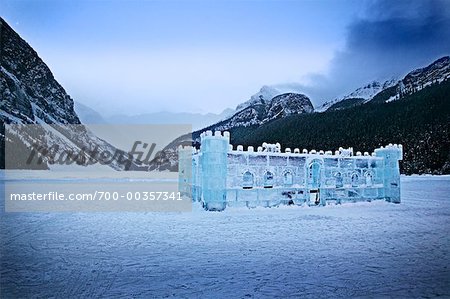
<point x="420" y="78"/>
<point x="264" y="95"/>
<point x="264" y="110"/>
<point x="364" y="94"/>
<point x="368" y="91"/>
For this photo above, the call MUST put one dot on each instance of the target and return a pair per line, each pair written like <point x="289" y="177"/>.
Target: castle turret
<point x="391" y="155"/>
<point x="214" y="169"/>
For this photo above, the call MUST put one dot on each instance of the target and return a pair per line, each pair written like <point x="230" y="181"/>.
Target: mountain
<point x="393" y="89"/>
<point x="29" y="91"/>
<point x="263" y="111"/>
<point x="268" y="92"/>
<point x="418" y="79"/>
<point x="197" y="120"/>
<point x="265" y="94"/>
<point x="357" y="97"/>
<point x="288" y="104"/>
<point x="31" y="95"/>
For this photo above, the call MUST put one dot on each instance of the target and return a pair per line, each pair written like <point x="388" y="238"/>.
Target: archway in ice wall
<point x="248" y="180"/>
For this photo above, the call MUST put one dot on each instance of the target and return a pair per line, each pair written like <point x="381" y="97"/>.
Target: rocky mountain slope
<point x="31" y="95"/>
<point x="262" y="111"/>
<point x="369" y="91"/>
<point x="418" y="79"/>
<point x="29" y="91"/>
<point x="359" y="96"/>
<point x="264" y="95"/>
<point x="393" y="89"/>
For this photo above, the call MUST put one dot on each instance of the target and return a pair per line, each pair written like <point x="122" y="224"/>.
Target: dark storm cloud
<point x="392" y="38"/>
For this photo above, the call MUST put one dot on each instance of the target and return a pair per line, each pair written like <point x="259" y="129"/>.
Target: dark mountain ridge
<point x="261" y="112"/>
<point x="437" y="72"/>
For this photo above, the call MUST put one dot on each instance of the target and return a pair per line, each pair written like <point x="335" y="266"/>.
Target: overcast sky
<point x="204" y="56"/>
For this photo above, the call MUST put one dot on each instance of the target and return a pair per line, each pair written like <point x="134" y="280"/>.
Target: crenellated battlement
<point x="187" y="149"/>
<point x="391" y="151"/>
<point x="216" y="135"/>
<point x="274" y="149"/>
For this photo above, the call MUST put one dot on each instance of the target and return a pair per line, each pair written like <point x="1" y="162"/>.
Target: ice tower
<point x="214" y="169"/>
<point x="391" y="154"/>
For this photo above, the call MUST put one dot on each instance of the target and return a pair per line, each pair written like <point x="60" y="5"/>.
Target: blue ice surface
<point x="352" y="250"/>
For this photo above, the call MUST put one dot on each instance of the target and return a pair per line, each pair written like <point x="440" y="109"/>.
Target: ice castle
<point x="219" y="175"/>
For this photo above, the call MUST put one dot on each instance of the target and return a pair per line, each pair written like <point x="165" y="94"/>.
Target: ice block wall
<point x="214" y="149"/>
<point x="268" y="177"/>
<point x="391" y="170"/>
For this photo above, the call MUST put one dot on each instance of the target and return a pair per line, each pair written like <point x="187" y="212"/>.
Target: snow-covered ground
<point x="373" y="249"/>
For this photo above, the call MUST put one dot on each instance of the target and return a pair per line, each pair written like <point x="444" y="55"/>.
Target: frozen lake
<point x="373" y="249"/>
